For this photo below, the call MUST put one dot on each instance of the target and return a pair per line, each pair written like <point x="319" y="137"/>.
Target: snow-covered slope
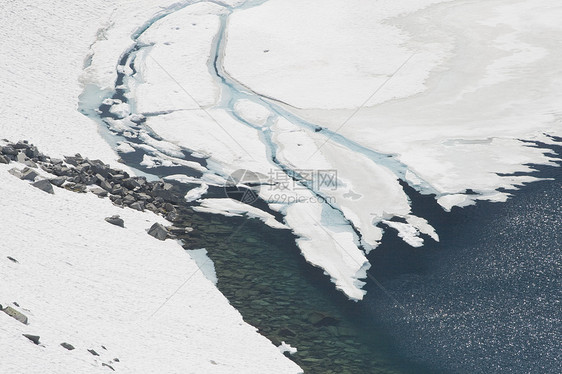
<point x="83" y="281"/>
<point x="78" y="279"/>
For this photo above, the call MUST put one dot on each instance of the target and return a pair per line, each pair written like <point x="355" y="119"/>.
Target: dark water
<point x="488" y="297"/>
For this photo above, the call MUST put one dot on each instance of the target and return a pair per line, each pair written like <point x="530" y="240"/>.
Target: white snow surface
<point x="83" y="281"/>
<point x="447" y="90"/>
<point x="476" y="79"/>
<point x="79" y="279"/>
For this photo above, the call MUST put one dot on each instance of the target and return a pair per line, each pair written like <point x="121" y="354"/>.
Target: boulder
<point x="59" y="181"/>
<point x="33" y="338"/>
<point x="21" y="157"/>
<point x="158" y="231"/>
<point x="4" y="160"/>
<point x="116" y="220"/>
<point x="70" y="347"/>
<point x="99" y="192"/>
<point x="29" y="174"/>
<point x="137" y="205"/>
<point x="44" y="185"/>
<point x="15" y="314"/>
<point x="9" y="150"/>
<point x="16" y="173"/>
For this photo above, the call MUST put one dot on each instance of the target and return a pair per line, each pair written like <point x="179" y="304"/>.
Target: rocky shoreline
<point x="79" y="174"/>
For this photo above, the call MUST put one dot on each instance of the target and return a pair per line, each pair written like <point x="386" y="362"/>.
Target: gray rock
<point x="106" y="186"/>
<point x="158" y="231"/>
<point x="4" y="160"/>
<point x="93" y="352"/>
<point x="21" y="145"/>
<point x="9" y="150"/>
<point x="32" y="152"/>
<point x="29" y="174"/>
<point x="33" y="338"/>
<point x="44" y="185"/>
<point x="70" y="347"/>
<point x="15" y="314"/>
<point x="59" y="181"/>
<point x="137" y="205"/>
<point x="99" y="192"/>
<point x="128" y="199"/>
<point x="21" y="157"/>
<point x="15" y="172"/>
<point x="116" y="220"/>
<point x="13" y="259"/>
<point x="30" y="163"/>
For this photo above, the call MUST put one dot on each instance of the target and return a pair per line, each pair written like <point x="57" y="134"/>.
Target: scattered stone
<point x="109" y="366"/>
<point x="9" y="150"/>
<point x="93" y="352"/>
<point x="116" y="360"/>
<point x="16" y="172"/>
<point x="15" y="314"/>
<point x="137" y="206"/>
<point x="28" y="174"/>
<point x="13" y="259"/>
<point x="59" y="181"/>
<point x="158" y="231"/>
<point x="4" y="160"/>
<point x="70" y="347"/>
<point x="33" y="338"/>
<point x="116" y="220"/>
<point x="99" y="192"/>
<point x="21" y="157"/>
<point x="44" y="185"/>
<point x="321" y="319"/>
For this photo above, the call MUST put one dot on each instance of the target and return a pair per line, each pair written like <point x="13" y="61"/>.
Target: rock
<point x="128" y="199"/>
<point x="4" y="160"/>
<point x="106" y="186"/>
<point x="33" y="338"/>
<point x="13" y="259"/>
<point x="32" y="152"/>
<point x="173" y="216"/>
<point x="109" y="366"/>
<point x="158" y="231"/>
<point x="44" y="185"/>
<point x="130" y="183"/>
<point x="70" y="347"/>
<point x="321" y="319"/>
<point x="30" y="163"/>
<point x="29" y="174"/>
<point x="137" y="205"/>
<point x="116" y="220"/>
<point x="15" y="314"/>
<point x="21" y="145"/>
<point x="59" y="181"/>
<point x="16" y="173"/>
<point x="93" y="352"/>
<point x="9" y="150"/>
<point x="99" y="192"/>
<point x="21" y="157"/>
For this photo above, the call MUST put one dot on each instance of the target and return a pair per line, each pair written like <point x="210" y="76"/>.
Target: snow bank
<point x="452" y="105"/>
<point x="231" y="208"/>
<point x="79" y="279"/>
